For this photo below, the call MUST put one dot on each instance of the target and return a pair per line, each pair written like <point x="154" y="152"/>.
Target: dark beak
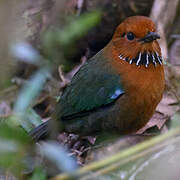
<point x="151" y="36"/>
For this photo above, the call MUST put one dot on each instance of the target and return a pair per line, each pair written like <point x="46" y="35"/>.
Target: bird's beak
<point x="149" y="37"/>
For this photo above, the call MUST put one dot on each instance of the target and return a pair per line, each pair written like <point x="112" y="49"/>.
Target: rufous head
<point x="135" y="39"/>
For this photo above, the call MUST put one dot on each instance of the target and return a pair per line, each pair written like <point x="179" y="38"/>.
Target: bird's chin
<point x="147" y="46"/>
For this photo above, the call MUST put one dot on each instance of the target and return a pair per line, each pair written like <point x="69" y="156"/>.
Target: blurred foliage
<point x="73" y="31"/>
<point x="57" y="42"/>
<point x="14" y="141"/>
<point x="38" y="174"/>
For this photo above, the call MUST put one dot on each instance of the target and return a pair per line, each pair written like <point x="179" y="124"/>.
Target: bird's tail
<point x="40" y="131"/>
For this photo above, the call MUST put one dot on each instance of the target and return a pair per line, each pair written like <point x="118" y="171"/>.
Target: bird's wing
<point x="93" y="86"/>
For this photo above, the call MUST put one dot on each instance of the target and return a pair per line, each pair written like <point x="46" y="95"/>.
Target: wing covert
<point x="93" y="86"/>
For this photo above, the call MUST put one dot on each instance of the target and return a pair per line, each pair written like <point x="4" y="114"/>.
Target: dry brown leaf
<point x="165" y="106"/>
<point x="158" y="120"/>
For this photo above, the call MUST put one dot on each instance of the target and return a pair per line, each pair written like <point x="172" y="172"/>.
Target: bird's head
<point x="135" y="40"/>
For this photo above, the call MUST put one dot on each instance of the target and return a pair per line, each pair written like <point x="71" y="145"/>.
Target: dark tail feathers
<point x="40" y="131"/>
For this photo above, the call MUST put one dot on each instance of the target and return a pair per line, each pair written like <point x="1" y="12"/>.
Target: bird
<point x="118" y="89"/>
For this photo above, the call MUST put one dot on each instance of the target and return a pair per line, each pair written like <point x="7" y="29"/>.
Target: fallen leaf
<point x="165" y="106"/>
<point x="158" y="119"/>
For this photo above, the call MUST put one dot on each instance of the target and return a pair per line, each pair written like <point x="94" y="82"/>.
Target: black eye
<point x="130" y="36"/>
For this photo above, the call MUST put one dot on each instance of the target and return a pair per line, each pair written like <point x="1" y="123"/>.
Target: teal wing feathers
<point x="93" y="86"/>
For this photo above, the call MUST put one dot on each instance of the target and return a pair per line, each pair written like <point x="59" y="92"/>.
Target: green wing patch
<point x="93" y="86"/>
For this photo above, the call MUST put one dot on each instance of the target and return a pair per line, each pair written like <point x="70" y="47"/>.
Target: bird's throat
<point x="144" y="58"/>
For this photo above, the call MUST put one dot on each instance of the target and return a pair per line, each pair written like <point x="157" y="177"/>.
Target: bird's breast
<point x="143" y="88"/>
<point x="143" y="91"/>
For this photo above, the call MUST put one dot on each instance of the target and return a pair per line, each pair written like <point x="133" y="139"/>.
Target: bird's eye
<point x="130" y="36"/>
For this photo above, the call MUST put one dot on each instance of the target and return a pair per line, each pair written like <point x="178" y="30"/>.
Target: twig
<point x="66" y="78"/>
<point x="70" y="74"/>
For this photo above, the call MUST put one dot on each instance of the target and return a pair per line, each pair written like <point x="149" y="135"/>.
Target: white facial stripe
<point x="120" y="57"/>
<point x="147" y="60"/>
<point x="144" y="58"/>
<point x="139" y="59"/>
<point x="161" y="59"/>
<point x="154" y="61"/>
<point x="158" y="58"/>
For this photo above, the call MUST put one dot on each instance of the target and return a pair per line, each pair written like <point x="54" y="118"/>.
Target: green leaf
<point x="30" y="90"/>
<point x="78" y="28"/>
<point x="33" y="117"/>
<point x="73" y="31"/>
<point x="13" y="133"/>
<point x="24" y="117"/>
<point x="38" y="174"/>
